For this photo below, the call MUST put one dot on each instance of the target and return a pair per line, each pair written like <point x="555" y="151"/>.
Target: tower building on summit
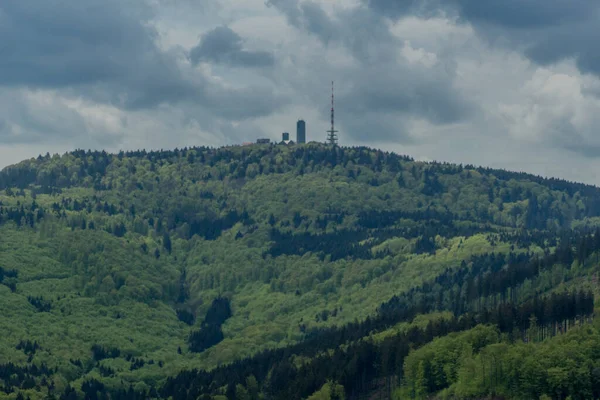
<point x="332" y="133"/>
<point x="301" y="132"/>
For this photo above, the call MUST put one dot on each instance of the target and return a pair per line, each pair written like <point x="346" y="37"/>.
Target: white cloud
<point x="418" y="56"/>
<point x="553" y="109"/>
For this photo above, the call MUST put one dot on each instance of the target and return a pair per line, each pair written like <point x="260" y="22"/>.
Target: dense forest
<point x="294" y="272"/>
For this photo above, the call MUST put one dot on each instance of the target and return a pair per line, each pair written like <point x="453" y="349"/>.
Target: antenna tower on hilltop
<point x="332" y="137"/>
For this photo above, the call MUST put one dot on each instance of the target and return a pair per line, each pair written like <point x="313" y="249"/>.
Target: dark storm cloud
<point x="508" y="13"/>
<point x="525" y="14"/>
<point x="427" y="94"/>
<point x="102" y="48"/>
<point x="318" y="22"/>
<point x="223" y="45"/>
<point x="106" y="51"/>
<point x="378" y="103"/>
<point x="547" y="31"/>
<point x="52" y="44"/>
<point x="382" y="89"/>
<point x="574" y="41"/>
<point x="361" y="31"/>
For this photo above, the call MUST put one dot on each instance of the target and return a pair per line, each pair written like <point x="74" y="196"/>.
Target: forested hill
<point x="283" y="270"/>
<point x="394" y="183"/>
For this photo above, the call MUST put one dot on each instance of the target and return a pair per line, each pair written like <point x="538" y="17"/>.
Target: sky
<point x="512" y="84"/>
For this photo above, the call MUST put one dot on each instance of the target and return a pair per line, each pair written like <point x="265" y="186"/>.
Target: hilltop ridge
<point x="10" y="174"/>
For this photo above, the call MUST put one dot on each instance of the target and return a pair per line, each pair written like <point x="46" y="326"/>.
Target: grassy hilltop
<point x="120" y="272"/>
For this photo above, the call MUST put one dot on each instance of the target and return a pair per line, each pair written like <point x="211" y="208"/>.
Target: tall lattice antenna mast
<point x="332" y="137"/>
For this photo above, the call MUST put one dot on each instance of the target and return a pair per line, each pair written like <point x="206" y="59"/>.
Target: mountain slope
<point x="133" y="252"/>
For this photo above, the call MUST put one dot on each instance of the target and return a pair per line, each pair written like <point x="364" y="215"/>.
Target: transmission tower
<point x="332" y="136"/>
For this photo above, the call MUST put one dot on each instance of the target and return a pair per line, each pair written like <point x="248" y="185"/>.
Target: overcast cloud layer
<point x="513" y="84"/>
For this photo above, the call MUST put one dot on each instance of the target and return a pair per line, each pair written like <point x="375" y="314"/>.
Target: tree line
<point x="359" y="365"/>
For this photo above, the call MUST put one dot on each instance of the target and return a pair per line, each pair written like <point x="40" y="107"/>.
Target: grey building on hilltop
<point x="301" y="132"/>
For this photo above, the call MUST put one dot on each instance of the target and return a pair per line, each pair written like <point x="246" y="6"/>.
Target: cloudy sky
<point x="512" y="84"/>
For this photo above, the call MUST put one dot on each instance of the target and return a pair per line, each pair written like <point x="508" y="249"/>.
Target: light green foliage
<point x="100" y="254"/>
<point x="329" y="391"/>
<point x="420" y="321"/>
<point x="476" y="363"/>
<point x="436" y="365"/>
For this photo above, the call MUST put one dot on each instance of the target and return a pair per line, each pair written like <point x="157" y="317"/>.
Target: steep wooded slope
<point x="127" y="268"/>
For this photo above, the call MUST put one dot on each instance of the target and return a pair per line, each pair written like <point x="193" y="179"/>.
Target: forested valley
<point x="294" y="272"/>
